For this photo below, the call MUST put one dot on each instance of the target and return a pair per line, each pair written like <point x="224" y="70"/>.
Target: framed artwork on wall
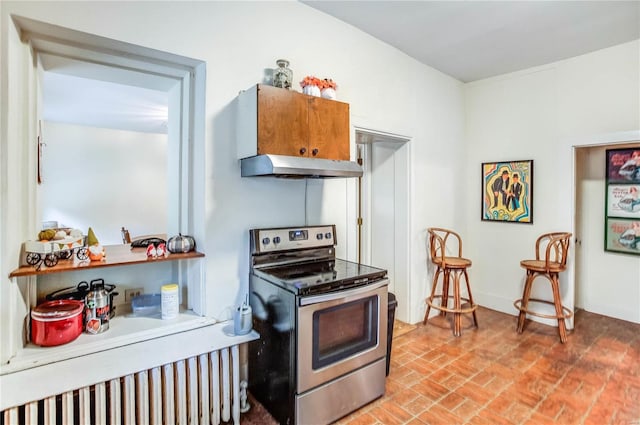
<point x="622" y="193"/>
<point x="623" y="165"/>
<point x="622" y="235"/>
<point x="507" y="191"/>
<point x="623" y="200"/>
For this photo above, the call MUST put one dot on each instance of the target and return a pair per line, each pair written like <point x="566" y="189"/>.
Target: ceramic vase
<point x="311" y="90"/>
<point x="329" y="93"/>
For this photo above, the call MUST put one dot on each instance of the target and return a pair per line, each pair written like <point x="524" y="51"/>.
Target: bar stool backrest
<point x="438" y="248"/>
<point x="553" y="248"/>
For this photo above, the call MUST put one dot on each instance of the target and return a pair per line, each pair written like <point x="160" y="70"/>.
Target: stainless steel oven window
<point x="307" y="376"/>
<point x="343" y="330"/>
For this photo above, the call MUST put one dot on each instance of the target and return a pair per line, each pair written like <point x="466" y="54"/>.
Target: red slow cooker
<point x="56" y="322"/>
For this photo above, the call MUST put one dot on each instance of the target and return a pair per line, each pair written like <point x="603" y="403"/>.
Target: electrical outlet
<point x="118" y="299"/>
<point x="130" y="293"/>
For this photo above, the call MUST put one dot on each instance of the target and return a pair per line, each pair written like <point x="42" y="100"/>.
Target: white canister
<point x="328" y="93"/>
<point x="311" y="90"/>
<point x="242" y="320"/>
<point x="169" y="301"/>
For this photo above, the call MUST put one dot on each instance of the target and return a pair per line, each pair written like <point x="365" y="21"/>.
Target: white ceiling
<point x="468" y="40"/>
<point x="88" y="102"/>
<point x="90" y="94"/>
<point x="471" y="40"/>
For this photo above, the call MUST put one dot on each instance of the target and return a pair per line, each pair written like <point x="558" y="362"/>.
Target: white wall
<point x="539" y="114"/>
<point x="239" y="40"/>
<point x="104" y="179"/>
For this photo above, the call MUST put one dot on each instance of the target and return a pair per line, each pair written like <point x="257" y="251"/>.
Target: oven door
<point x="340" y="332"/>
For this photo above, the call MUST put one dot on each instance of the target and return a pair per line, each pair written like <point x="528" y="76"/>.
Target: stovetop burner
<point x="321" y="276"/>
<point x="302" y="260"/>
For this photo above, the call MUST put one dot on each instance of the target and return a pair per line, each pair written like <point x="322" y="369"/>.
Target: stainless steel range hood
<point x="297" y="167"/>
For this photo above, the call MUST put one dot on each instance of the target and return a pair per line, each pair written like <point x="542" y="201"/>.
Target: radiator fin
<point x="199" y="390"/>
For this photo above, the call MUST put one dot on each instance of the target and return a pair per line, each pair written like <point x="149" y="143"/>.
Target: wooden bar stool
<point x="551" y="259"/>
<point x="450" y="267"/>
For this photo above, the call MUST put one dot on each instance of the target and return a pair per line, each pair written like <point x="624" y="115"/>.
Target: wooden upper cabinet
<point x="284" y="122"/>
<point x="328" y="128"/>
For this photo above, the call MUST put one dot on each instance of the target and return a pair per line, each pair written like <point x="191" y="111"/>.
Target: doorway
<point x="385" y="210"/>
<point x="605" y="282"/>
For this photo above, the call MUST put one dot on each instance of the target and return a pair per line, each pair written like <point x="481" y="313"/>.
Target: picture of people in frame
<point x="623" y="235"/>
<point x="623" y="165"/>
<point x="623" y="200"/>
<point x="507" y="191"/>
<point x="622" y="230"/>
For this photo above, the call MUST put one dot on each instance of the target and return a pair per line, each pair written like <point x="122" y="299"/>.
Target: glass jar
<point x="282" y="75"/>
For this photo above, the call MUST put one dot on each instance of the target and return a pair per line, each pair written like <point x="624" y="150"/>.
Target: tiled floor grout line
<point x="604" y="386"/>
<point x="593" y="379"/>
<point x="533" y="410"/>
<point x="558" y="381"/>
<point x="468" y="379"/>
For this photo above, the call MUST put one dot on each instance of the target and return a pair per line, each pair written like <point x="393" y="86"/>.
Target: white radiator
<point x="198" y="390"/>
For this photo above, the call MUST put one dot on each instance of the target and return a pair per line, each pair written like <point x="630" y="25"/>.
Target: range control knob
<point x="319" y="236"/>
<point x="276" y="240"/>
<point x="327" y="235"/>
<point x="265" y="241"/>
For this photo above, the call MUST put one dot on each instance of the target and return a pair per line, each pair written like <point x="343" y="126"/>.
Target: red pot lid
<point x="57" y="309"/>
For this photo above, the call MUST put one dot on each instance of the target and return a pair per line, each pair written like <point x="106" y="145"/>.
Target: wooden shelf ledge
<point x="116" y="255"/>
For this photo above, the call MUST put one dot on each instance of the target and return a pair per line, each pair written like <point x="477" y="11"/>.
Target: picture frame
<point x="622" y="205"/>
<point x="623" y="201"/>
<point x="623" y="165"/>
<point x="622" y="235"/>
<point x="507" y="191"/>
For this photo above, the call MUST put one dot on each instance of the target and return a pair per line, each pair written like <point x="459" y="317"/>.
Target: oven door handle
<point x="343" y="294"/>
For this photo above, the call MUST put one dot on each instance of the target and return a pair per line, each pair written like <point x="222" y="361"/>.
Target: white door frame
<point x="365" y="138"/>
<point x="586" y="142"/>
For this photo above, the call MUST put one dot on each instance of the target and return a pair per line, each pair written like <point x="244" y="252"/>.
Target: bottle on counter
<point x="126" y="238"/>
<point x="169" y="301"/>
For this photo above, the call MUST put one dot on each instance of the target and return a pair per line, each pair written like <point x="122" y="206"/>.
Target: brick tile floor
<point x="492" y="375"/>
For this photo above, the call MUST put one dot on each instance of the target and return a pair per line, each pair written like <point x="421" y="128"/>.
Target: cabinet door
<point x="328" y="129"/>
<point x="283" y="125"/>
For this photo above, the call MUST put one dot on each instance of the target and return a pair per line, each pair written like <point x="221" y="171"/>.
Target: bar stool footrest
<point x="518" y="304"/>
<point x="469" y="309"/>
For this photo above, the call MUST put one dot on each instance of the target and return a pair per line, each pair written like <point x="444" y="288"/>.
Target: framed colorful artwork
<point x="507" y="191"/>
<point x="622" y="209"/>
<point x="623" y="200"/>
<point x="623" y="165"/>
<point x="622" y="235"/>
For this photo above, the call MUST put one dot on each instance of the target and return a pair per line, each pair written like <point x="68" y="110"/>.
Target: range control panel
<point x="291" y="238"/>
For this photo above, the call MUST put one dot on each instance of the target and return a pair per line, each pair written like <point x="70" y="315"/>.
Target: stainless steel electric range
<point x="322" y="323"/>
